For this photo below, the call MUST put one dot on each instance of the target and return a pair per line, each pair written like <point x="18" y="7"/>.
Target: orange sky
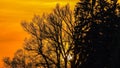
<point x="12" y="12"/>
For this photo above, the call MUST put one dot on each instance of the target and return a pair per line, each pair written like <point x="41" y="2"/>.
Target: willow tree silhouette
<point x="97" y="34"/>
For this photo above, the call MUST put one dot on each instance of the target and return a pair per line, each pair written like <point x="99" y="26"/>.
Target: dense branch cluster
<point x="50" y="41"/>
<point x="89" y="38"/>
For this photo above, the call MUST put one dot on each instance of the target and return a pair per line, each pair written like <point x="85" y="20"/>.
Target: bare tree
<point x="51" y="39"/>
<point x="18" y="60"/>
<point x="57" y="41"/>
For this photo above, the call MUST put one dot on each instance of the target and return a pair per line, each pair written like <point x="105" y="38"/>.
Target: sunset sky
<point x="12" y="12"/>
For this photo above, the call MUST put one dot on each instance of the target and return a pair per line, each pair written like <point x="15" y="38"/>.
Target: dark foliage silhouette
<point x="97" y="34"/>
<point x="89" y="38"/>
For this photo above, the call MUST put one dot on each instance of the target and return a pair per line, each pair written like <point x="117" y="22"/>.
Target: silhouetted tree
<point x="50" y="43"/>
<point x="7" y="62"/>
<point x="18" y="60"/>
<point x="82" y="26"/>
<point x="51" y="39"/>
<point x="97" y="34"/>
<point x="56" y="41"/>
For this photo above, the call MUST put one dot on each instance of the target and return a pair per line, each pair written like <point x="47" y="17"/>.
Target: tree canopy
<point x="97" y="33"/>
<point x="89" y="37"/>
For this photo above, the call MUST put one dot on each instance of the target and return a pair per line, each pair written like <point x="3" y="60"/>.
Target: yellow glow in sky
<point x="12" y="12"/>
